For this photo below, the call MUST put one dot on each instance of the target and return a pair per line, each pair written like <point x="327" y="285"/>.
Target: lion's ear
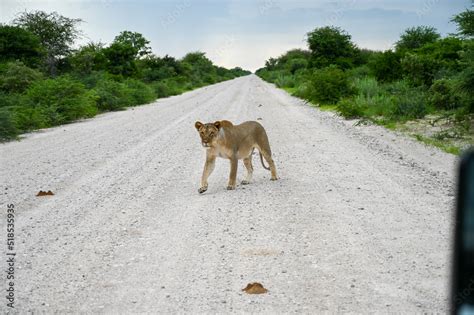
<point x="198" y="125"/>
<point x="217" y="124"/>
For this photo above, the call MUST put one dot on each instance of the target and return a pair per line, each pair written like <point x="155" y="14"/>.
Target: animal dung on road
<point x="255" y="288"/>
<point x="44" y="193"/>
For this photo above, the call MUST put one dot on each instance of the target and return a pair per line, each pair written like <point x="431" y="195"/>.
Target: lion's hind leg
<point x="266" y="152"/>
<point x="249" y="167"/>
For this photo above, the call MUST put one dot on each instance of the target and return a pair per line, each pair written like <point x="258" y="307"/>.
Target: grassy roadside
<point x="423" y="86"/>
<point x="441" y="129"/>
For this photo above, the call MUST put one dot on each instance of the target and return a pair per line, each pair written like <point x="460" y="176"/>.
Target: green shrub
<point x="61" y="100"/>
<point x="93" y="79"/>
<point x="297" y="64"/>
<point x="161" y="89"/>
<point x="379" y="105"/>
<point x="15" y="77"/>
<point x="386" y="66"/>
<point x="303" y="90"/>
<point x="408" y="102"/>
<point x="420" y="69"/>
<point x="359" y="72"/>
<point x="328" y="85"/>
<point x="17" y="43"/>
<point x="397" y="87"/>
<point x="349" y="108"/>
<point x="367" y="86"/>
<point x="410" y="105"/>
<point x="9" y="99"/>
<point x="8" y="129"/>
<point x="366" y="106"/>
<point x="28" y="118"/>
<point x="465" y="79"/>
<point x="112" y="95"/>
<point x="139" y="92"/>
<point x="443" y="95"/>
<point x="175" y="87"/>
<point x="285" y="80"/>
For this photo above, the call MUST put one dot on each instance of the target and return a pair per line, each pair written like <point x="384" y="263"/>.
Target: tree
<point x="136" y="41"/>
<point x="328" y="85"/>
<point x="88" y="58"/>
<point x="420" y="69"/>
<point x="386" y="66"/>
<point x="153" y="68"/>
<point x="416" y="37"/>
<point x="19" y="44"/>
<point x="465" y="23"/>
<point x="466" y="77"/>
<point x="121" y="59"/>
<point x="331" y="45"/>
<point x="125" y="50"/>
<point x="15" y="77"/>
<point x="55" y="32"/>
<point x="271" y="63"/>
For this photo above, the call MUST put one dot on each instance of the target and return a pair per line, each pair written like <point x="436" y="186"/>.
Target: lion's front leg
<point x="233" y="173"/>
<point x="208" y="168"/>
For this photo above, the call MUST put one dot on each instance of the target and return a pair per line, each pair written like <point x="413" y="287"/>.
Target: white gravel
<point x="360" y="220"/>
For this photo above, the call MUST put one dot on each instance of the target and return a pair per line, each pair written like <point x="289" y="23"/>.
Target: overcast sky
<point x="244" y="33"/>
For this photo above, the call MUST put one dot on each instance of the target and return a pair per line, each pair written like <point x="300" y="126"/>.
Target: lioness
<point x="223" y="139"/>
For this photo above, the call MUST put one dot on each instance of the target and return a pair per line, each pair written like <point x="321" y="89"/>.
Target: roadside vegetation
<point x="423" y="86"/>
<point x="44" y="82"/>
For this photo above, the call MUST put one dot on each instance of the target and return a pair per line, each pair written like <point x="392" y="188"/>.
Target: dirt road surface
<point x="360" y="220"/>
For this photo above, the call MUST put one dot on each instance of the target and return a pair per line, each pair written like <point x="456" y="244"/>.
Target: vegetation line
<point x="424" y="86"/>
<point x="44" y="82"/>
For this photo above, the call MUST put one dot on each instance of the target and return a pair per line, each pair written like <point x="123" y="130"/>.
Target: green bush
<point x="8" y="129"/>
<point x="297" y="64"/>
<point x="465" y="79"/>
<point x="328" y="85"/>
<point x="17" y="43"/>
<point x="161" y="89"/>
<point x="349" y="108"/>
<point x="94" y="78"/>
<point x="371" y="100"/>
<point x="28" y="118"/>
<point x="386" y="66"/>
<point x="112" y="95"/>
<point x="176" y="85"/>
<point x="60" y="100"/>
<point x="15" y="77"/>
<point x="443" y="95"/>
<point x="367" y="87"/>
<point x="285" y="80"/>
<point x="359" y="72"/>
<point x="139" y="92"/>
<point x="410" y="105"/>
<point x="397" y="87"/>
<point x="9" y="99"/>
<point x="420" y="69"/>
<point x="408" y="102"/>
<point x="303" y="90"/>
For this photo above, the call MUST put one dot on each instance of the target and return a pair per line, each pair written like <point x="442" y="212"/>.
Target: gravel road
<point x="360" y="220"/>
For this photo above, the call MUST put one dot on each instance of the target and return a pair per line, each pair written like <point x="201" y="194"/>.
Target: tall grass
<point x="393" y="101"/>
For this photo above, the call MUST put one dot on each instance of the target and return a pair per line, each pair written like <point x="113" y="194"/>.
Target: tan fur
<point x="234" y="142"/>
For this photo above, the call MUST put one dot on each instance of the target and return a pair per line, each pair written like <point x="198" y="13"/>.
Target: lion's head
<point x="208" y="132"/>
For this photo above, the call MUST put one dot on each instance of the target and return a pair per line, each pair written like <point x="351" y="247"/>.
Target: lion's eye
<point x="211" y="134"/>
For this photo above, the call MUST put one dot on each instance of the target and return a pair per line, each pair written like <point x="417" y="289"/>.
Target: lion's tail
<point x="261" y="160"/>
